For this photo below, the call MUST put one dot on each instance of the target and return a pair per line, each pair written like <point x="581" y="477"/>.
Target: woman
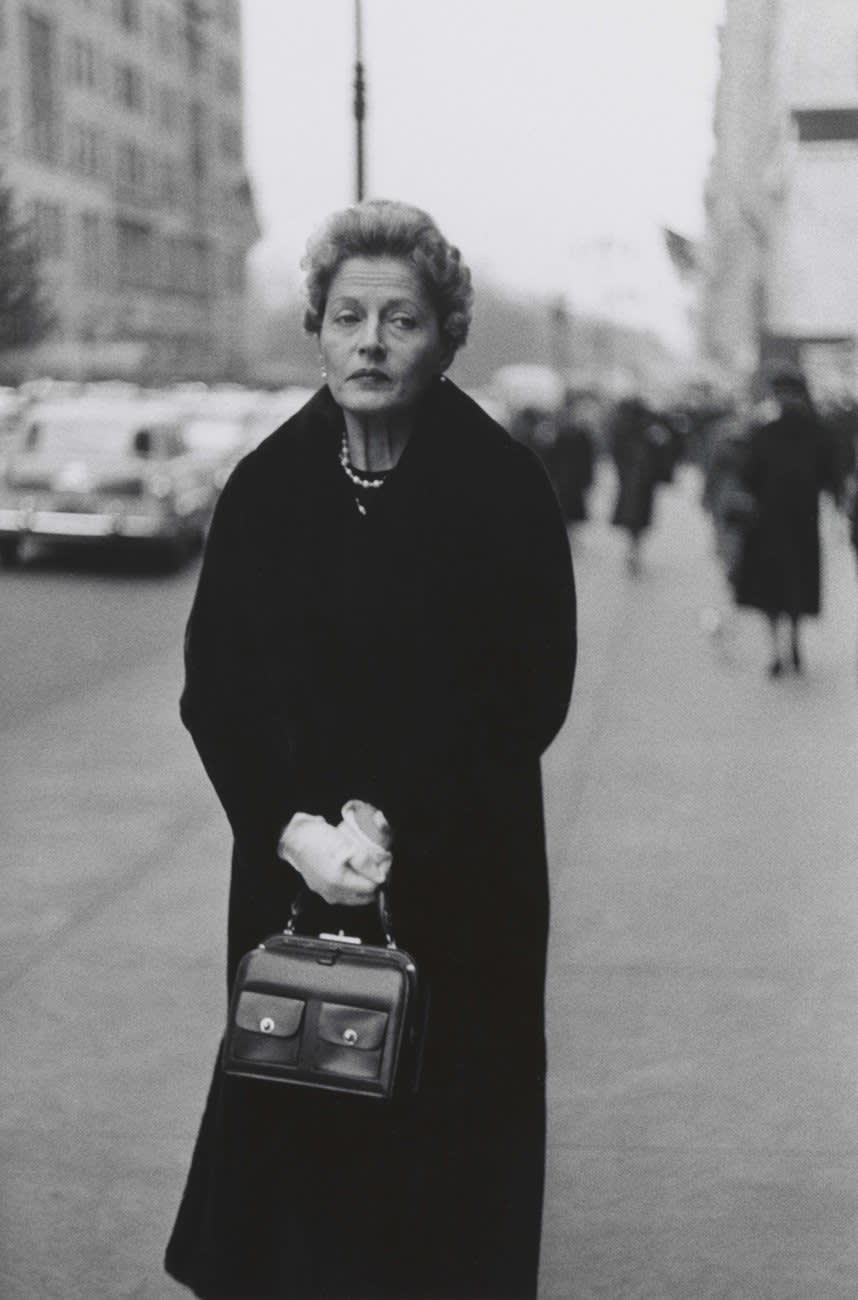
<point x="385" y="612"/>
<point x="788" y="464"/>
<point x="637" y="447"/>
<point x="570" y="465"/>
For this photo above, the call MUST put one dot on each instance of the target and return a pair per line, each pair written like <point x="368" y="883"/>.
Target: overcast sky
<point x="551" y="139"/>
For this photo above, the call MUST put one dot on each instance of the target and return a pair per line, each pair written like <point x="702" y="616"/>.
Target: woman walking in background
<point x="639" y="446"/>
<point x="789" y="463"/>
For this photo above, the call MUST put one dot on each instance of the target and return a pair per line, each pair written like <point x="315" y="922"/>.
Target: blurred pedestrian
<point x="385" y="612"/>
<point x="728" y="502"/>
<point x="789" y="463"/>
<point x="572" y="469"/>
<point x="839" y="414"/>
<point x="638" y="446"/>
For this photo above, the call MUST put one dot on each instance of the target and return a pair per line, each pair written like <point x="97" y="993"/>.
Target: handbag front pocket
<point x="268" y="1027"/>
<point x="350" y="1040"/>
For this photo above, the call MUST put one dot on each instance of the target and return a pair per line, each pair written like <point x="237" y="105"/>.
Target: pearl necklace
<point x="354" y="476"/>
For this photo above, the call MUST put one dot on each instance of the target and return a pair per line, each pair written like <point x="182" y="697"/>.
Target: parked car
<point x="109" y="472"/>
<point x="275" y="409"/>
<point x="218" y="443"/>
<point x="217" y="424"/>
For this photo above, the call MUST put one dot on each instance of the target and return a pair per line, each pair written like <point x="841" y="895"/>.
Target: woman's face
<point x="380" y="339"/>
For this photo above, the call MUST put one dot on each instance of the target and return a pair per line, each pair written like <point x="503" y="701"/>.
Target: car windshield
<point x="213" y="435"/>
<point x="98" y="437"/>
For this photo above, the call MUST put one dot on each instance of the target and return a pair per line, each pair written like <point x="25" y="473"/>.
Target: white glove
<point x="320" y="853"/>
<point x="370" y="855"/>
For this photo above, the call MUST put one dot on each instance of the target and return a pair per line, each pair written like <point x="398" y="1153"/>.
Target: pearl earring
<point x="322" y="368"/>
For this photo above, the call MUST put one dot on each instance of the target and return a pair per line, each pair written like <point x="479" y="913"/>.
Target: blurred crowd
<point x="765" y="457"/>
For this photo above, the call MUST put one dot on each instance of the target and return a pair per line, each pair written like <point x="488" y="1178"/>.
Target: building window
<point x="168" y="108"/>
<point x="82" y="70"/>
<point x="129" y="86"/>
<point x="198" y="266"/>
<point x="816" y="125"/>
<point x="48" y="227"/>
<point x="134" y="252"/>
<point x="91" y="271"/>
<point x="76" y="147"/>
<point x="228" y="14"/>
<point x="230" y="141"/>
<point x="173" y="261"/>
<point x="169" y="181"/>
<point x="235" y="272"/>
<point x="164" y="33"/>
<point x="195" y="16"/>
<point x="187" y="265"/>
<point x="130" y="15"/>
<point x="84" y="149"/>
<point x="43" y="127"/>
<point x="198" y="141"/>
<point x="131" y="168"/>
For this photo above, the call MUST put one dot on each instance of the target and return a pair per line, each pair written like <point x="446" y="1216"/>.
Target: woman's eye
<point x="345" y="318"/>
<point x="403" y="321"/>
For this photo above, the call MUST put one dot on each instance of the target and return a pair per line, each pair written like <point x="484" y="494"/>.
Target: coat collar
<point x="445" y="439"/>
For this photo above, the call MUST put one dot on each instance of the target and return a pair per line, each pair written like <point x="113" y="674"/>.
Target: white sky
<point x="551" y="139"/>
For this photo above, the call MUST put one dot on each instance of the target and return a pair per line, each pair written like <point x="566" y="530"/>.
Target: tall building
<point x="121" y="138"/>
<point x="781" y="276"/>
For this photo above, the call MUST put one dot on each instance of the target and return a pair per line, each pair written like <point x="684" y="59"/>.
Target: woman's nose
<point x="371" y="340"/>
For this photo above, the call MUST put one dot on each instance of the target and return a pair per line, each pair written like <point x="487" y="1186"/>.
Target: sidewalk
<point x="703" y="1008"/>
<point x="703" y="997"/>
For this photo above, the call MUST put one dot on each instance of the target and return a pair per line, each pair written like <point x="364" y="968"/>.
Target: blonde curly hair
<point x="387" y="228"/>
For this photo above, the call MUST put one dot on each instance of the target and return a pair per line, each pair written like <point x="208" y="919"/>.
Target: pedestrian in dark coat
<point x="385" y="612"/>
<point x="572" y="465"/>
<point x="789" y="463"/>
<point x="637" y="445"/>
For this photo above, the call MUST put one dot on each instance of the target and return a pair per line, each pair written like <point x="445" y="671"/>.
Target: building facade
<point x="121" y="137"/>
<point x="781" y="274"/>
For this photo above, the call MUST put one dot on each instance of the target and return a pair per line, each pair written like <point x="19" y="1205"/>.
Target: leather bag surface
<point x="326" y="1012"/>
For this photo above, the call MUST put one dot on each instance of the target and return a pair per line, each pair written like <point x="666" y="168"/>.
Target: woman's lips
<point x="370" y="376"/>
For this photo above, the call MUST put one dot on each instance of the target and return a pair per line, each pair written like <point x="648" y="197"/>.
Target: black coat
<point x="420" y="657"/>
<point x="569" y="462"/>
<point x="789" y="463"/>
<point x="638" y="458"/>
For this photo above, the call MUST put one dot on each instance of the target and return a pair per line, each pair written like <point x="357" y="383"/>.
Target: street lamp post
<point x="359" y="104"/>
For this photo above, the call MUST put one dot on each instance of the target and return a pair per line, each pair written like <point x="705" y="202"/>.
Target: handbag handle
<point x="384" y="915"/>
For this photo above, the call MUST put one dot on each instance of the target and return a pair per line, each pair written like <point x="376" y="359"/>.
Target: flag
<point x="682" y="253"/>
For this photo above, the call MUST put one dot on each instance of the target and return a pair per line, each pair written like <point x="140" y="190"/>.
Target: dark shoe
<point x="775" y="668"/>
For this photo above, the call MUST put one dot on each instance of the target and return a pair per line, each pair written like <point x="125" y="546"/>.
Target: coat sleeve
<point x="227" y="704"/>
<point x="516" y="659"/>
<point x="467" y="808"/>
<point x="524" y="684"/>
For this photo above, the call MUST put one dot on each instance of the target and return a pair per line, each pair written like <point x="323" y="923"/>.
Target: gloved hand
<point x="320" y="853"/>
<point x="368" y="830"/>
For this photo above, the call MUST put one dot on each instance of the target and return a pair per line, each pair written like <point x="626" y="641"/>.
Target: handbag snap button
<point x="350" y="1037"/>
<point x="266" y="1024"/>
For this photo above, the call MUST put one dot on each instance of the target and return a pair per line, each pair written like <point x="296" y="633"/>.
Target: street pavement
<point x="703" y="1008"/>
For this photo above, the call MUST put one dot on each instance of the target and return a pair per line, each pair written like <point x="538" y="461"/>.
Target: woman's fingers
<point x="370" y="860"/>
<point x="352" y="889"/>
<point x="336" y="865"/>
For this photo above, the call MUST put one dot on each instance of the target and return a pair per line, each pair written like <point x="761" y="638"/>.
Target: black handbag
<point x="327" y="1012"/>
